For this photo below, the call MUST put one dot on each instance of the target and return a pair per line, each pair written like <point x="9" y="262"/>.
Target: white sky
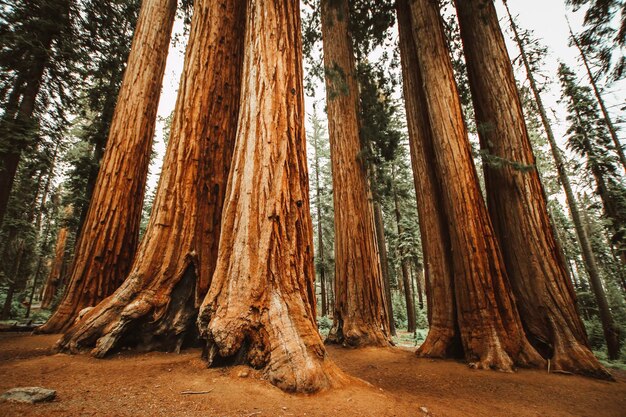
<point x="545" y="17"/>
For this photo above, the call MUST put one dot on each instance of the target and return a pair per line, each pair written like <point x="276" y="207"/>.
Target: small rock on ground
<point x="30" y="395"/>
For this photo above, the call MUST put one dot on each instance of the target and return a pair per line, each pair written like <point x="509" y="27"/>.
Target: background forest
<point x="62" y="64"/>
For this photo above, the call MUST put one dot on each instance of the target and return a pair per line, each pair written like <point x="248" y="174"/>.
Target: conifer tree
<point x="587" y="136"/>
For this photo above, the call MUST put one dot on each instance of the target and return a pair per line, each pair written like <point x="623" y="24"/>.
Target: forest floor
<point x="151" y="384"/>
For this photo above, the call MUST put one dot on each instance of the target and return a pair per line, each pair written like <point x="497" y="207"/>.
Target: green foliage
<point x="605" y="35"/>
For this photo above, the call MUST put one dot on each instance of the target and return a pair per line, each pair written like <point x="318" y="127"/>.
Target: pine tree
<point x="35" y="39"/>
<point x="587" y="137"/>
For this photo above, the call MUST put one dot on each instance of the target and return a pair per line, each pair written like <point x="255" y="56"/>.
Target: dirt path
<point x="132" y="384"/>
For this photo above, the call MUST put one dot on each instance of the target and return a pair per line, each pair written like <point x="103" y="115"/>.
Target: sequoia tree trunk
<point x="443" y="335"/>
<point x="490" y="326"/>
<point x="110" y="233"/>
<point x="516" y="199"/>
<point x="360" y="314"/>
<point x="155" y="307"/>
<point x="260" y="309"/>
<point x="589" y="258"/>
<point x="55" y="277"/>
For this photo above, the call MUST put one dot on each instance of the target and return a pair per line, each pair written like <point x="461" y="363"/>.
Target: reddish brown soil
<point x="134" y="384"/>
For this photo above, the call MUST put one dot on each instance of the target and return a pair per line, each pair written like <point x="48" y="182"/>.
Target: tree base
<point x="490" y="350"/>
<point x="145" y="320"/>
<point x="571" y="357"/>
<point x="441" y="343"/>
<point x="288" y="350"/>
<point x="357" y="335"/>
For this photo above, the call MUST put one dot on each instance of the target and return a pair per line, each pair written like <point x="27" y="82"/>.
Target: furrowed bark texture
<point x="588" y="256"/>
<point x="360" y="317"/>
<point x="516" y="199"/>
<point x="155" y="306"/>
<point x="443" y="336"/>
<point x="490" y="326"/>
<point x="56" y="270"/>
<point x="260" y="309"/>
<point x="110" y="233"/>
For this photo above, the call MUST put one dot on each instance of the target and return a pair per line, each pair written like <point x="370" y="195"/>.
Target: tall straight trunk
<point x="605" y="113"/>
<point x="404" y="266"/>
<point x="55" y="277"/>
<point x="490" y="326"/>
<point x="516" y="199"/>
<point x="155" y="307"/>
<point x="14" y="281"/>
<point x="419" y="272"/>
<point x="443" y="336"/>
<point x="320" y="234"/>
<point x="360" y="311"/>
<point x="611" y="332"/>
<point x="384" y="262"/>
<point x="38" y="269"/>
<point x="589" y="258"/>
<point x="260" y="309"/>
<point x="108" y="240"/>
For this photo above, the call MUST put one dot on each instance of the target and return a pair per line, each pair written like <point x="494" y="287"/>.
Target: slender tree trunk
<point x="589" y="258"/>
<point x="55" y="278"/>
<point x="384" y="262"/>
<point x="605" y="113"/>
<point x="404" y="266"/>
<point x="13" y="282"/>
<point x="320" y="234"/>
<point x="43" y="245"/>
<point x="360" y="317"/>
<point x="109" y="236"/>
<point x="489" y="323"/>
<point x="155" y="307"/>
<point x="516" y="198"/>
<point x="419" y="272"/>
<point x="443" y="337"/>
<point x="260" y="309"/>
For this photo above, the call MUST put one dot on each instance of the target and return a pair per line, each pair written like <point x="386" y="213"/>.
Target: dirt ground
<point x="136" y="384"/>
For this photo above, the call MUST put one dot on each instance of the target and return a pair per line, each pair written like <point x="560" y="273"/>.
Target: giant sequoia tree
<point x="490" y="327"/>
<point x="443" y="338"/>
<point x="110" y="232"/>
<point x="360" y="312"/>
<point x="260" y="308"/>
<point x="156" y="306"/>
<point x="516" y="199"/>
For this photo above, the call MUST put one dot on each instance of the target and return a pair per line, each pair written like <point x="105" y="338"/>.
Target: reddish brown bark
<point x="516" y="198"/>
<point x="490" y="326"/>
<point x="55" y="278"/>
<point x="155" y="306"/>
<point x="109" y="236"/>
<point x="443" y="337"/>
<point x="360" y="316"/>
<point x="260" y="309"/>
